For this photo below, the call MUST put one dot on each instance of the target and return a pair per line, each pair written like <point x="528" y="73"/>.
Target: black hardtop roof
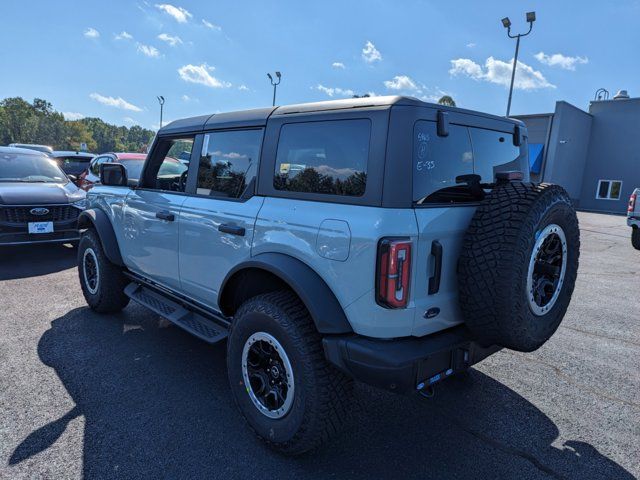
<point x="258" y="117"/>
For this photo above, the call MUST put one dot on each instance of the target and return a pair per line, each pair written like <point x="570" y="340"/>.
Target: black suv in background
<point x="38" y="202"/>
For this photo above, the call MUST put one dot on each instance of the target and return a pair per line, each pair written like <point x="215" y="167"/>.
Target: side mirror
<point x="443" y="124"/>
<point x="113" y="174"/>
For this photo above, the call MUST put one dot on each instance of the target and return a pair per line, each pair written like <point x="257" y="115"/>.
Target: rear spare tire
<point x="518" y="265"/>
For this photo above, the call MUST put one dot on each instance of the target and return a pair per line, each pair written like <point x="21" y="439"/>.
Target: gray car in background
<point x="38" y="202"/>
<point x="73" y="163"/>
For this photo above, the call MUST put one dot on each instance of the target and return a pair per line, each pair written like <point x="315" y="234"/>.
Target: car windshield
<point x="21" y="167"/>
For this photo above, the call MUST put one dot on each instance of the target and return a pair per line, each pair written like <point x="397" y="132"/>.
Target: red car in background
<point x="133" y="162"/>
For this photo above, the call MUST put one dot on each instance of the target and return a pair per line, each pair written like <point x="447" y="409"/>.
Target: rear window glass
<point x="437" y="161"/>
<point x="494" y="152"/>
<point x="323" y="157"/>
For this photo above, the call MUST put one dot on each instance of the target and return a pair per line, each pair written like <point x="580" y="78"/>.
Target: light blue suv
<point x="380" y="239"/>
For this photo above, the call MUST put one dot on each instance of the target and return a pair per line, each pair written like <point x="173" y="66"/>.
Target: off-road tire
<point x="109" y="296"/>
<point x="635" y="237"/>
<point x="494" y="263"/>
<point x="322" y="394"/>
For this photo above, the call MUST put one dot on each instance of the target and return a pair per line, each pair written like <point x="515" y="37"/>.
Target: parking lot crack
<point x="581" y="386"/>
<point x="532" y="459"/>
<point x="599" y="335"/>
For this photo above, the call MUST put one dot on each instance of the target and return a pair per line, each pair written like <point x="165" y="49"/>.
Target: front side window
<point x="164" y="171"/>
<point x="37" y="168"/>
<point x="229" y="163"/>
<point x="323" y="157"/>
<point x="609" y="189"/>
<point x="437" y="161"/>
<point x="494" y="152"/>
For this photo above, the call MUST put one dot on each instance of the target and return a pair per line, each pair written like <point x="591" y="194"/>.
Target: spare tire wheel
<point x="518" y="265"/>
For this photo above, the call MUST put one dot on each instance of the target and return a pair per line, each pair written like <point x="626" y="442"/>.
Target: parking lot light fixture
<point x="506" y="23"/>
<point x="161" y="102"/>
<point x="275" y="84"/>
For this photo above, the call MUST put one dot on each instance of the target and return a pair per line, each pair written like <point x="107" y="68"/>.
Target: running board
<point x="192" y="322"/>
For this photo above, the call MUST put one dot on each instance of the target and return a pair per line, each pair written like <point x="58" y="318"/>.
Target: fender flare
<point x="322" y="304"/>
<point x="96" y="218"/>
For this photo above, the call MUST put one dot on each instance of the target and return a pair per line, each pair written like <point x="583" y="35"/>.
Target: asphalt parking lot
<point x="128" y="396"/>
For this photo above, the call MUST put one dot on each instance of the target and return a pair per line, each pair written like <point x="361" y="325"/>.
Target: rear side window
<point x="323" y="157"/>
<point x="494" y="152"/>
<point x="229" y="163"/>
<point x="437" y="161"/>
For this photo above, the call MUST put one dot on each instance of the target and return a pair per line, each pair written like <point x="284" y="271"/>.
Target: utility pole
<point x="161" y="102"/>
<point x="506" y="23"/>
<point x="275" y="85"/>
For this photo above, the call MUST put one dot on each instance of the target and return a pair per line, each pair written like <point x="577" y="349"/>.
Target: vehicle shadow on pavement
<point x="156" y="404"/>
<point x="26" y="261"/>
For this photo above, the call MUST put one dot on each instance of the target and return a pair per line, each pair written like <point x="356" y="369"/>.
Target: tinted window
<point x="437" y="161"/>
<point x="228" y="168"/>
<point x="20" y="167"/>
<point x="494" y="152"/>
<point x="323" y="157"/>
<point x="166" y="172"/>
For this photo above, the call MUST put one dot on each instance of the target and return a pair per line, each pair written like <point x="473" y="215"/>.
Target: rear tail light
<point x="393" y="273"/>
<point x="632" y="202"/>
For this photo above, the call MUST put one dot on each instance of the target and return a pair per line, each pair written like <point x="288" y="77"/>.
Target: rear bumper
<point x="405" y="364"/>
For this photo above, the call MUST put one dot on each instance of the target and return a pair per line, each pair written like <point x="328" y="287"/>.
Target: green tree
<point x="447" y="100"/>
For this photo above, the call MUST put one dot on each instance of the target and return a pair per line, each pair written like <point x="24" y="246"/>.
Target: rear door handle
<point x="232" y="229"/>
<point x="165" y="215"/>
<point x="436" y="252"/>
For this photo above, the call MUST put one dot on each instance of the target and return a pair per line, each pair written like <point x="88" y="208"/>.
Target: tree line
<point x="38" y="122"/>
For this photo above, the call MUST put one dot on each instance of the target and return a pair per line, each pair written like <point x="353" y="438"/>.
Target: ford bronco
<point x="383" y="239"/>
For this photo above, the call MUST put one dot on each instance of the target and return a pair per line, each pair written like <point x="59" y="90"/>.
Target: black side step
<point x="192" y="322"/>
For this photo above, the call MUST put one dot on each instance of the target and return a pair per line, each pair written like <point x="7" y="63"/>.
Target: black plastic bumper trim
<point x="400" y="365"/>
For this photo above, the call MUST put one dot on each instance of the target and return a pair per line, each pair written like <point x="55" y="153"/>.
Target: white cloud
<point x="200" y="74"/>
<point x="181" y="15"/>
<point x="115" y="102"/>
<point x="148" y="50"/>
<point x="91" y="33"/>
<point x="331" y="91"/>
<point x="370" y="53"/>
<point x="123" y="36"/>
<point x="170" y="39"/>
<point x="185" y="98"/>
<point x="210" y="25"/>
<point x="129" y="121"/>
<point x="499" y="72"/>
<point x="560" y="60"/>
<point x="72" y="116"/>
<point x="338" y="65"/>
<point x="401" y="82"/>
<point x="471" y="45"/>
<point x="243" y="88"/>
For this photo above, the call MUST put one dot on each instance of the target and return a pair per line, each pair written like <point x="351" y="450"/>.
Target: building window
<point x="609" y="189"/>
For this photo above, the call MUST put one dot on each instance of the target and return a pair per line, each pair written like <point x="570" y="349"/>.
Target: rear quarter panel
<point x="318" y="233"/>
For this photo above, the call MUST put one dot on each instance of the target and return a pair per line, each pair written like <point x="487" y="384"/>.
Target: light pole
<point x="161" y="102"/>
<point x="531" y="17"/>
<point x="275" y="85"/>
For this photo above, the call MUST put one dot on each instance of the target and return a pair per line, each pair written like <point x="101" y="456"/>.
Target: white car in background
<point x="46" y="149"/>
<point x="633" y="218"/>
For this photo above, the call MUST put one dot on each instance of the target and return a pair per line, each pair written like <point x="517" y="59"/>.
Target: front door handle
<point x="165" y="215"/>
<point x="232" y="229"/>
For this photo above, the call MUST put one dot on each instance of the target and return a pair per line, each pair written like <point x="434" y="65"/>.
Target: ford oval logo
<point x="39" y="211"/>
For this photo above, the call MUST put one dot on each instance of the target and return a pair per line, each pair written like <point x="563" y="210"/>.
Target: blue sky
<point x="112" y="58"/>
